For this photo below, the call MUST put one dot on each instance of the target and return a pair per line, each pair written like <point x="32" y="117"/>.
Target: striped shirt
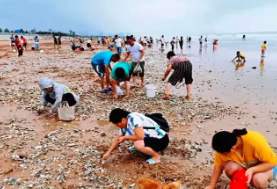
<point x="139" y="120"/>
<point x="175" y="60"/>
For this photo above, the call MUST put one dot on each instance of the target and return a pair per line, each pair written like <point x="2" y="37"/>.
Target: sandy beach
<point x="41" y="152"/>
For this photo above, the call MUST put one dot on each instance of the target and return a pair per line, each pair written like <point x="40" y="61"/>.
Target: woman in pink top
<point x="182" y="70"/>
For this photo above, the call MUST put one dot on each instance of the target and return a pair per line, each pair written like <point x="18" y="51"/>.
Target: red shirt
<point x="18" y="44"/>
<point x="24" y="40"/>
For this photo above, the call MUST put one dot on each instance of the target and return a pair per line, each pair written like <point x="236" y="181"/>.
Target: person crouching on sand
<point x="101" y="63"/>
<point x="242" y="149"/>
<point x="122" y="71"/>
<point x="134" y="126"/>
<point x="240" y="58"/>
<point x="55" y="93"/>
<point x="182" y="70"/>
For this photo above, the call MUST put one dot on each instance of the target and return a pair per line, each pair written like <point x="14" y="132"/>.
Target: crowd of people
<point x="234" y="151"/>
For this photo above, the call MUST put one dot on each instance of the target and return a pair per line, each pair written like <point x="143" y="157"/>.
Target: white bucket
<point x="150" y="90"/>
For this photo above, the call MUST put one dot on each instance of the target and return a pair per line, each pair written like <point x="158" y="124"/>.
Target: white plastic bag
<point x="65" y="112"/>
<point x="119" y="91"/>
<point x="137" y="69"/>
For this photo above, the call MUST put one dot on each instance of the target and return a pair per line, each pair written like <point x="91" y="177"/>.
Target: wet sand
<point x="67" y="155"/>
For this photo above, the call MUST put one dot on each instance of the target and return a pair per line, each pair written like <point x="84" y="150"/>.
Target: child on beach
<point x="12" y="41"/>
<point x="55" y="93"/>
<point x="18" y="46"/>
<point x="172" y="43"/>
<point x="242" y="149"/>
<point x="182" y="70"/>
<point x="36" y="43"/>
<point x="146" y="134"/>
<point x="101" y="64"/>
<point x="241" y="58"/>
<point x="263" y="47"/>
<point x="122" y="71"/>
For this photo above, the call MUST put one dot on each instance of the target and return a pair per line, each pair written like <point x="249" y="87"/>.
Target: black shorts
<point x="200" y="43"/>
<point x="88" y="45"/>
<point x="181" y="72"/>
<point x="156" y="144"/>
<point x="99" y="69"/>
<point x="142" y="64"/>
<point x="20" y="52"/>
<point x="25" y="45"/>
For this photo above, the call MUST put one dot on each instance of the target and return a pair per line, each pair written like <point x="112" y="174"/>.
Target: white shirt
<point x="135" y="51"/>
<point x="89" y="41"/>
<point x="139" y="120"/>
<point x="162" y="40"/>
<point x="118" y="42"/>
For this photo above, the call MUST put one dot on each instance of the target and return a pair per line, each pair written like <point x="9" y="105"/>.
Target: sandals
<point x="166" y="97"/>
<point x="152" y="162"/>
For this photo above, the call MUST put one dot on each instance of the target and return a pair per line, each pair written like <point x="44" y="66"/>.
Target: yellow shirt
<point x="255" y="150"/>
<point x="263" y="46"/>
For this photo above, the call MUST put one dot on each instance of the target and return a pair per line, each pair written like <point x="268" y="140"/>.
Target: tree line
<point x="34" y="31"/>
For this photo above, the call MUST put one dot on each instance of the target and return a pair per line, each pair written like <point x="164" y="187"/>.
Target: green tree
<point x="21" y="31"/>
<point x="7" y="30"/>
<point x="33" y="31"/>
<point x="1" y="30"/>
<point x="26" y="31"/>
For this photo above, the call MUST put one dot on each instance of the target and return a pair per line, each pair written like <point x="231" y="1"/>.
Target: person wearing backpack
<point x="148" y="137"/>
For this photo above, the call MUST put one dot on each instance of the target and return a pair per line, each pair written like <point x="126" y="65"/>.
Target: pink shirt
<point x="175" y="60"/>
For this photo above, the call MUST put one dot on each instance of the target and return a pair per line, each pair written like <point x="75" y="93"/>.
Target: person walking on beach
<point x="137" y="52"/>
<point x="201" y="41"/>
<point x="182" y="70"/>
<point x="36" y="43"/>
<point x="89" y="44"/>
<point x="55" y="93"/>
<point x="18" y="46"/>
<point x="243" y="37"/>
<point x="206" y="42"/>
<point x="101" y="64"/>
<point x="177" y="41"/>
<point x="263" y="47"/>
<point x="243" y="149"/>
<point x="118" y="44"/>
<point x="24" y="42"/>
<point x="12" y="41"/>
<point x="121" y="72"/>
<point x="55" y="41"/>
<point x="172" y="43"/>
<point x="162" y="42"/>
<point x="60" y="41"/>
<point x="240" y="58"/>
<point x="181" y="43"/>
<point x="146" y="134"/>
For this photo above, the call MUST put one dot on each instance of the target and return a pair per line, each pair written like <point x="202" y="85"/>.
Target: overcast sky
<point x="141" y="17"/>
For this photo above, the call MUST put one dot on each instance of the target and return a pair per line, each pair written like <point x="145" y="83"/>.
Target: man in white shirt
<point x="137" y="52"/>
<point x="162" y="42"/>
<point x="118" y="44"/>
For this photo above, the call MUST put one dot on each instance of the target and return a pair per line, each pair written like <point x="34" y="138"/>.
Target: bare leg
<point x="261" y="180"/>
<point x="140" y="146"/>
<point x="168" y="88"/>
<point x="142" y="81"/>
<point x="188" y="91"/>
<point x="102" y="83"/>
<point x="134" y="81"/>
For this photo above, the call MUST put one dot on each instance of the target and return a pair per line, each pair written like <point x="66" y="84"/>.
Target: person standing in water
<point x="201" y="41"/>
<point x="206" y="41"/>
<point x="181" y="42"/>
<point x="243" y="37"/>
<point x="172" y="43"/>
<point x="263" y="47"/>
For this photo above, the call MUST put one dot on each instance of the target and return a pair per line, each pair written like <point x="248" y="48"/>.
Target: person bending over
<point x="55" y="93"/>
<point x="242" y="149"/>
<point x="240" y="57"/>
<point x="134" y="126"/>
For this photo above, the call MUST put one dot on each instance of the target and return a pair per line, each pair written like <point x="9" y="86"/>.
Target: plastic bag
<point x="137" y="69"/>
<point x="66" y="112"/>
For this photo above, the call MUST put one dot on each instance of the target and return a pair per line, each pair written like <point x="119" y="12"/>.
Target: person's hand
<point x="106" y="156"/>
<point x="50" y="111"/>
<point x="163" y="79"/>
<point x="138" y="60"/>
<point x="126" y="97"/>
<point x="115" y="97"/>
<point x="121" y="139"/>
<point x="208" y="187"/>
<point x="249" y="173"/>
